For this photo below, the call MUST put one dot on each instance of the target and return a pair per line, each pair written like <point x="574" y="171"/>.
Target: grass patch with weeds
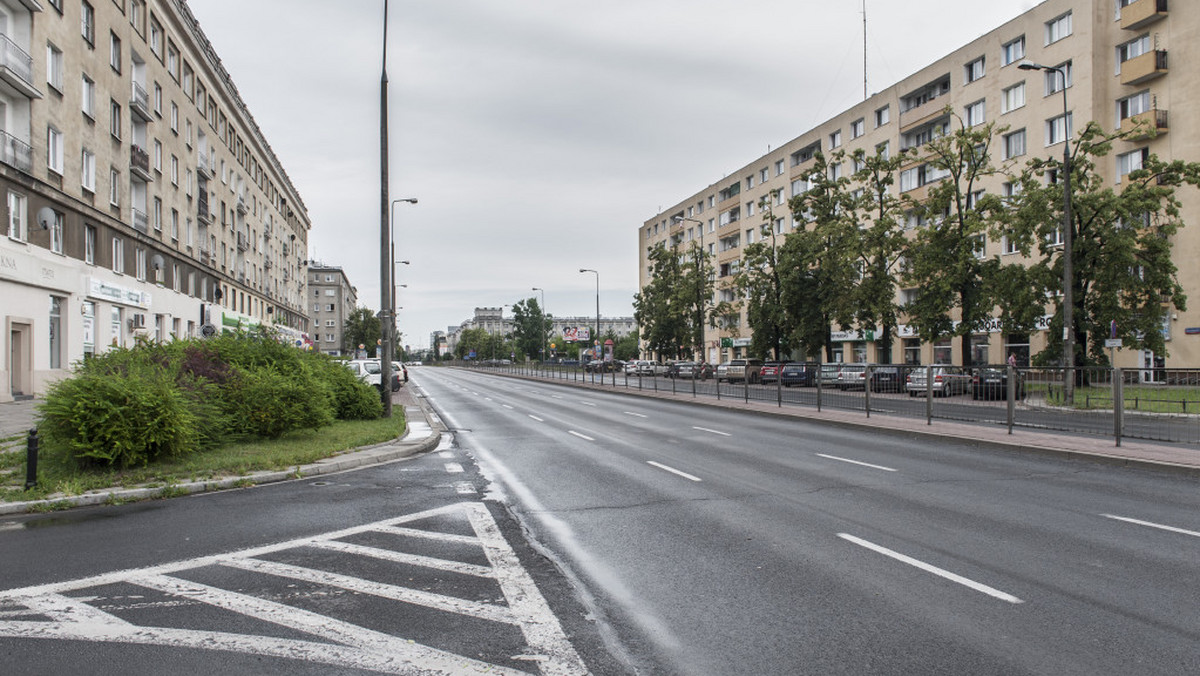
<point x="60" y="475"/>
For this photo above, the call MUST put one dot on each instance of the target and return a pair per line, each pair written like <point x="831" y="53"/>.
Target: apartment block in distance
<point x="1126" y="61"/>
<point x="140" y="197"/>
<point x="333" y="299"/>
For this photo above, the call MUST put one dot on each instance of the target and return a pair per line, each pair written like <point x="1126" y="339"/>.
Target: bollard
<point x="31" y="451"/>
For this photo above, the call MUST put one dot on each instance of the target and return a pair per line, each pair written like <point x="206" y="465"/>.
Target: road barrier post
<point x="1010" y="384"/>
<point x="1118" y="404"/>
<point x="867" y="389"/>
<point x="31" y="453"/>
<point x="929" y="394"/>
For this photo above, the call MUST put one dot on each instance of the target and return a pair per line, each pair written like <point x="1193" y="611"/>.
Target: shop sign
<point x="115" y="293"/>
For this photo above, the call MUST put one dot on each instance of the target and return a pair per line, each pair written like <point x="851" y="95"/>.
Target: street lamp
<point x="388" y="287"/>
<point x="543" y="322"/>
<point x="596" y="341"/>
<point x="1068" y="267"/>
<point x="700" y="276"/>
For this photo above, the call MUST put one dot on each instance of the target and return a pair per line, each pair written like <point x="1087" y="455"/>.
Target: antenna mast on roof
<point x="864" y="6"/>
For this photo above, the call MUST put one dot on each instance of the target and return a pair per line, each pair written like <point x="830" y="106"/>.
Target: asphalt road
<point x="710" y="541"/>
<point x="400" y="568"/>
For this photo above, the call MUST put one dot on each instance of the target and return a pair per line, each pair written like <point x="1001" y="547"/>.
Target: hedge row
<point x="132" y="406"/>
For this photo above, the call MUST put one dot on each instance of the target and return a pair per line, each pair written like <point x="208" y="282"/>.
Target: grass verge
<point x="59" y="476"/>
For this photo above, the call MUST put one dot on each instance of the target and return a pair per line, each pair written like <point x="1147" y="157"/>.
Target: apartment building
<point x="140" y="196"/>
<point x="333" y="300"/>
<point x="1117" y="72"/>
<point x="492" y="320"/>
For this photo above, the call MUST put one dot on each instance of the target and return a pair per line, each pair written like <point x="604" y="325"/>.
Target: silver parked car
<point x="947" y="380"/>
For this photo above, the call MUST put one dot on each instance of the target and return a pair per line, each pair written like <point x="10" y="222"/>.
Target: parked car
<point x="991" y="382"/>
<point x="770" y="371"/>
<point x="887" y="378"/>
<point x="852" y="377"/>
<point x="599" y="366"/>
<point x="722" y="371"/>
<point x="742" y="369"/>
<point x="646" y="367"/>
<point x="367" y="370"/>
<point x="827" y="375"/>
<point x="399" y="375"/>
<point x="947" y="380"/>
<point x="802" y="374"/>
<point x="691" y="370"/>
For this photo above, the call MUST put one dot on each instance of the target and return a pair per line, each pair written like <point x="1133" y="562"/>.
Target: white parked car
<point x="368" y="370"/>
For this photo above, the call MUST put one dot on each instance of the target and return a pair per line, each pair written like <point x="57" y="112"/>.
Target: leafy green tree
<point x="880" y="216"/>
<point x="944" y="260"/>
<point x="626" y="348"/>
<point x="761" y="284"/>
<point x="817" y="262"/>
<point x="530" y="328"/>
<point x="657" y="308"/>
<point x="1123" y="266"/>
<point x="362" y="327"/>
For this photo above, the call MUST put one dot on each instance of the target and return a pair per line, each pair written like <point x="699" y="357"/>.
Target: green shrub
<point x="261" y="402"/>
<point x="125" y="418"/>
<point x="352" y="399"/>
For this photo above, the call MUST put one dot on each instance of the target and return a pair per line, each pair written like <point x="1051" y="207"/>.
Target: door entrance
<point x="20" y="360"/>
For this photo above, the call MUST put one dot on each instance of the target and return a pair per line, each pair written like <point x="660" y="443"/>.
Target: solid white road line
<point x="856" y="462"/>
<point x="581" y="436"/>
<point x="536" y="418"/>
<point x="705" y="429"/>
<point x="587" y="403"/>
<point x="636" y="415"/>
<point x="507" y="406"/>
<point x="929" y="568"/>
<point x="1152" y="525"/>
<point x="672" y="470"/>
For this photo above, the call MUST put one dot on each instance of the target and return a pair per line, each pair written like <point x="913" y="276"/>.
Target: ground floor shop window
<point x="979" y="350"/>
<point x="1016" y="348"/>
<point x="912" y="351"/>
<point x="860" y="352"/>
<point x="942" y="352"/>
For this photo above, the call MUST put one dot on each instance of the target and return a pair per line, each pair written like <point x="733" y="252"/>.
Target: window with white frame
<point x="173" y="60"/>
<point x="1055" y="80"/>
<point x="835" y="139"/>
<point x="114" y="118"/>
<point x="88" y="97"/>
<point x="1131" y="161"/>
<point x="156" y="214"/>
<point x="1134" y="48"/>
<point x="1058" y="28"/>
<point x="139" y="264"/>
<point x="16" y="216"/>
<point x="54" y="150"/>
<point x="87" y="23"/>
<point x="858" y="128"/>
<point x="974" y="70"/>
<point x="114" y="187"/>
<point x="158" y="98"/>
<point x="158" y="155"/>
<point x="883" y="116"/>
<point x="1014" y="144"/>
<point x="779" y="165"/>
<point x="1058" y="129"/>
<point x="1012" y="98"/>
<point x="175" y="224"/>
<point x="118" y="255"/>
<point x="174" y="117"/>
<point x="1132" y="105"/>
<point x="1008" y="245"/>
<point x="114" y="52"/>
<point x="974" y="114"/>
<point x="89" y="244"/>
<point x="88" y="171"/>
<point x="174" y="170"/>
<point x="54" y="67"/>
<point x="156" y="38"/>
<point x="1012" y="51"/>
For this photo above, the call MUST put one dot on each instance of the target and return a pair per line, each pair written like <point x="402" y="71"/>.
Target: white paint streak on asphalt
<point x="930" y="568"/>
<point x="672" y="470"/>
<point x="536" y="418"/>
<point x="454" y="468"/>
<point x="581" y="436"/>
<point x="636" y="415"/>
<point x="856" y="462"/>
<point x="705" y="429"/>
<point x="1151" y="524"/>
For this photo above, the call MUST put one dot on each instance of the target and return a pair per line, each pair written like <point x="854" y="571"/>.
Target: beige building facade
<point x="140" y="196"/>
<point x="1126" y="60"/>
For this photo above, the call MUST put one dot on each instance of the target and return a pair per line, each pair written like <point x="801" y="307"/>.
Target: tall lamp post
<point x="1068" y="267"/>
<point x="701" y="274"/>
<point x="596" y="340"/>
<point x="392" y="268"/>
<point x="385" y="235"/>
<point x="543" y="322"/>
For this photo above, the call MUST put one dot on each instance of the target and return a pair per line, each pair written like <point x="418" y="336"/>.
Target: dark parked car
<point x="886" y="378"/>
<point x="770" y="371"/>
<point x="691" y="370"/>
<point x="991" y="382"/>
<point x="798" y="374"/>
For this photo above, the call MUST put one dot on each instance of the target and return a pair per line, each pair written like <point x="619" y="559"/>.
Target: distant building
<point x="333" y="299"/>
<point x="493" y="320"/>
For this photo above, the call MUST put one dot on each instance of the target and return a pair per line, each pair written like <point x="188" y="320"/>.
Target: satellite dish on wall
<point x="45" y="217"/>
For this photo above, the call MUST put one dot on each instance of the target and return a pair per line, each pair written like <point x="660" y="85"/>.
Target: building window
<point x="56" y="233"/>
<point x="1055" y="81"/>
<point x="54" y="150"/>
<point x="974" y="114"/>
<point x="1012" y="98"/>
<point x="174" y="117"/>
<point x="1014" y="144"/>
<point x="174" y="171"/>
<point x="88" y="171"/>
<point x="1131" y="49"/>
<point x="835" y="139"/>
<point x="114" y="187"/>
<point x="883" y="116"/>
<point x="174" y="224"/>
<point x="1131" y="161"/>
<point x="16" y="216"/>
<point x="114" y="52"/>
<point x="779" y="165"/>
<point x="114" y="119"/>
<point x="857" y="128"/>
<point x="158" y="153"/>
<point x="89" y="244"/>
<point x="88" y="97"/>
<point x="1012" y="51"/>
<point x="156" y="38"/>
<point x="1058" y="28"/>
<point x="156" y="216"/>
<point x="118" y="255"/>
<point x="1058" y="129"/>
<point x="158" y="99"/>
<point x="173" y="60"/>
<point x="974" y="70"/>
<point x="87" y="22"/>
<point x="54" y="67"/>
<point x="139" y="263"/>
<point x="1132" y="105"/>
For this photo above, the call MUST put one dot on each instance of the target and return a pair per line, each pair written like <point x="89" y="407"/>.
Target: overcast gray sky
<point x="539" y="135"/>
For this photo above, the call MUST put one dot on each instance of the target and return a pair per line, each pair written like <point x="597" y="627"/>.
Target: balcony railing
<point x="15" y="152"/>
<point x="1144" y="67"/>
<point x="202" y="164"/>
<point x="139" y="102"/>
<point x="1147" y="124"/>
<point x="243" y="242"/>
<point x="202" y="212"/>
<point x="139" y="162"/>
<point x="16" y="60"/>
<point x="1141" y="13"/>
<point x="140" y="221"/>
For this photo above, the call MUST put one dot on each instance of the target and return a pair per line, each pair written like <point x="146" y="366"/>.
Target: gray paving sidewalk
<point x="422" y="434"/>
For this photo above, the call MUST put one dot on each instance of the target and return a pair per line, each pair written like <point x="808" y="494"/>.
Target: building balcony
<point x="139" y="163"/>
<point x="139" y="102"/>
<point x="202" y="165"/>
<point x="16" y="68"/>
<point x="1144" y="68"/>
<point x="140" y="221"/>
<point x="268" y="263"/>
<point x="243" y="242"/>
<point x="1142" y="126"/>
<point x="921" y="115"/>
<point x="15" y="152"/>
<point x="241" y="205"/>
<point x="1142" y="13"/>
<point x="202" y="213"/>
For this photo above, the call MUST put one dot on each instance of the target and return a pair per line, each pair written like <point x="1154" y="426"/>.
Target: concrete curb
<point x="420" y="436"/>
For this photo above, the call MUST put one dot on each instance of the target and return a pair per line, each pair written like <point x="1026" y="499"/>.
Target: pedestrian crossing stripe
<point x="340" y="644"/>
